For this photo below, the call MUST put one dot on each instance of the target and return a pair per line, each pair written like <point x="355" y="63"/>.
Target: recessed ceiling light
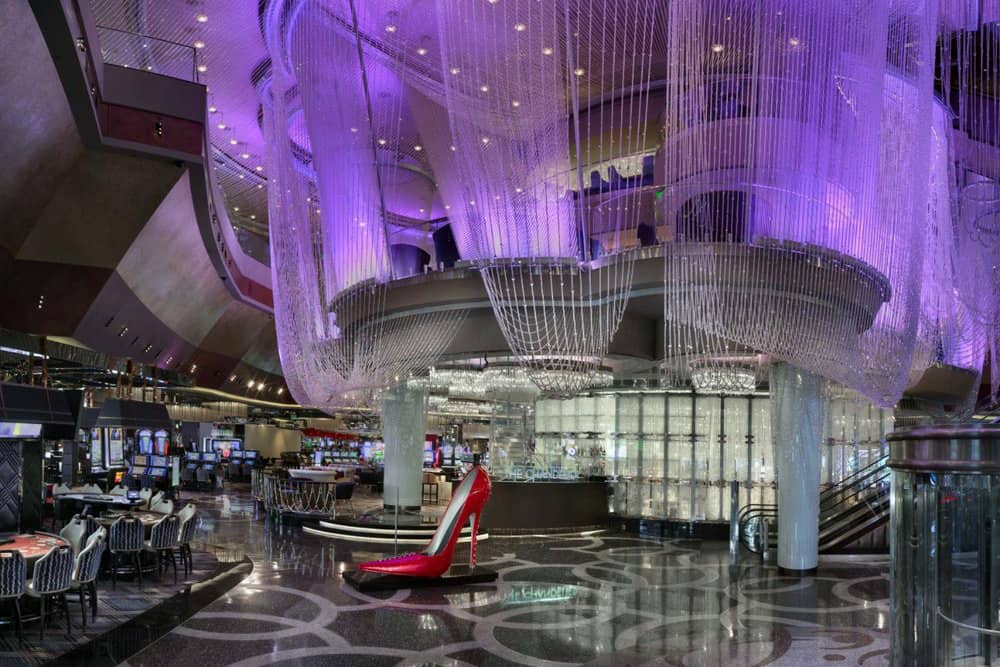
<point x="259" y="168"/>
<point x="221" y="126"/>
<point x="245" y="156"/>
<point x="201" y="18"/>
<point x="515" y="103"/>
<point x="390" y="28"/>
<point x="242" y="177"/>
<point x="454" y="70"/>
<point x="484" y="88"/>
<point x="199" y="44"/>
<point x="794" y="41"/>
<point x="253" y="217"/>
<point x="718" y="48"/>
<point x="213" y="109"/>
<point x="520" y="27"/>
<point x="447" y="207"/>
<point x="485" y="140"/>
<point x="546" y="50"/>
<point x="202" y="68"/>
<point x="233" y="142"/>
<point x="418" y="148"/>
<point x="421" y="51"/>
<point x="236" y="209"/>
<point x="354" y="129"/>
<point x="382" y="142"/>
<point x="259" y="186"/>
<point x="579" y="71"/>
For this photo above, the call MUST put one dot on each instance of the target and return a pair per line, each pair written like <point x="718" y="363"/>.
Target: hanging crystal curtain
<point x="795" y="169"/>
<point x="970" y="68"/>
<point x="947" y="332"/>
<point x="550" y="121"/>
<point x="334" y="119"/>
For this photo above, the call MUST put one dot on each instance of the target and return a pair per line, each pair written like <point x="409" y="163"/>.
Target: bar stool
<point x="13" y="580"/>
<point x="53" y="577"/>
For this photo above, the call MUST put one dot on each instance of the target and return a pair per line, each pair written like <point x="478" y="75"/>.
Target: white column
<point x="797" y="429"/>
<point x="404" y="424"/>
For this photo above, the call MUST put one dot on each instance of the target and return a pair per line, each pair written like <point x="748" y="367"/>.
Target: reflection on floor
<point x="115" y="606"/>
<point x="611" y="599"/>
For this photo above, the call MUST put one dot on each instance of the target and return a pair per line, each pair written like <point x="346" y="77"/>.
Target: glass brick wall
<point x="672" y="454"/>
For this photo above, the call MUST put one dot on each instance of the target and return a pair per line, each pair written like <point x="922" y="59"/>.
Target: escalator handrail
<point x="877" y="467"/>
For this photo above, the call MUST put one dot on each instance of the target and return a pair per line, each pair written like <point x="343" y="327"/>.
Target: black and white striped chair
<point x="53" y="577"/>
<point x="125" y="539"/>
<point x="163" y="540"/>
<point x="13" y="581"/>
<point x="88" y="563"/>
<point x="189" y="524"/>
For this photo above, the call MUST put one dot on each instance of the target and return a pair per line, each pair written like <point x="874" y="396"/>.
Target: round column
<point x="797" y="429"/>
<point x="404" y="424"/>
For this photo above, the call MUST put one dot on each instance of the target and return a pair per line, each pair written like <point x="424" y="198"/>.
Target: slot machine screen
<point x="250" y="455"/>
<point x="116" y="448"/>
<point x="96" y="449"/>
<point x="210" y="457"/>
<point x="236" y="455"/>
<point x="159" y="461"/>
<point x="140" y="461"/>
<point x="145" y="437"/>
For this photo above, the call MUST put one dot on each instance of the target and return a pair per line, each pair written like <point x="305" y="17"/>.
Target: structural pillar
<point x="404" y="424"/>
<point x="797" y="428"/>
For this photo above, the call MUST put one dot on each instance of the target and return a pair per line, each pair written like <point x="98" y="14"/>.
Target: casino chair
<point x="60" y="489"/>
<point x="144" y="495"/>
<point x="187" y="478"/>
<point x="118" y="490"/>
<point x="161" y="505"/>
<point x="163" y="540"/>
<point x="75" y="532"/>
<point x="93" y="489"/>
<point x="13" y="581"/>
<point x="156" y="499"/>
<point x="125" y="538"/>
<point x="53" y="577"/>
<point x="88" y="563"/>
<point x="189" y="524"/>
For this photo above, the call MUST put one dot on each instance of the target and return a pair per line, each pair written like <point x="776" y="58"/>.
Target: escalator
<point x="853" y="515"/>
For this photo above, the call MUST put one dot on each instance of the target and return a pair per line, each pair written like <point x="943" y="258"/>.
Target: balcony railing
<point x="150" y="54"/>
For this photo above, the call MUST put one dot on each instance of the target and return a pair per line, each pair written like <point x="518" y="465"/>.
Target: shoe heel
<point x="474" y="525"/>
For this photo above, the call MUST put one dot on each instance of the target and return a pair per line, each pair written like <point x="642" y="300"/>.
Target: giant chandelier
<point x="549" y="112"/>
<point x="332" y="116"/>
<point x="796" y="185"/>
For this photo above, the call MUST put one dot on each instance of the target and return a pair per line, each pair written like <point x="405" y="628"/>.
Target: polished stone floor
<point x="604" y="599"/>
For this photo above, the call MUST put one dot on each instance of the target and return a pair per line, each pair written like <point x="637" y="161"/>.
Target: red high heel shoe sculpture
<point x="466" y="506"/>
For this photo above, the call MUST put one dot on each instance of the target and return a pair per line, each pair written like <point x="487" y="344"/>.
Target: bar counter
<point x="546" y="506"/>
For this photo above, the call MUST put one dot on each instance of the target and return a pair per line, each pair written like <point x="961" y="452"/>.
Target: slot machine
<point x="192" y="460"/>
<point x="96" y="451"/>
<point x="161" y="443"/>
<point x="139" y="465"/>
<point x="145" y="441"/>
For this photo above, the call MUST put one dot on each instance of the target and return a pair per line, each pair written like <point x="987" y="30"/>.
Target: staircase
<point x="853" y="514"/>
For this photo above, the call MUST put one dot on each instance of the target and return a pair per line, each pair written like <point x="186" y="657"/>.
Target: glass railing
<point x="160" y="56"/>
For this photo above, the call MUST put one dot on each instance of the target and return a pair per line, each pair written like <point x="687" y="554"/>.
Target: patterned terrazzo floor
<point x="610" y="599"/>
